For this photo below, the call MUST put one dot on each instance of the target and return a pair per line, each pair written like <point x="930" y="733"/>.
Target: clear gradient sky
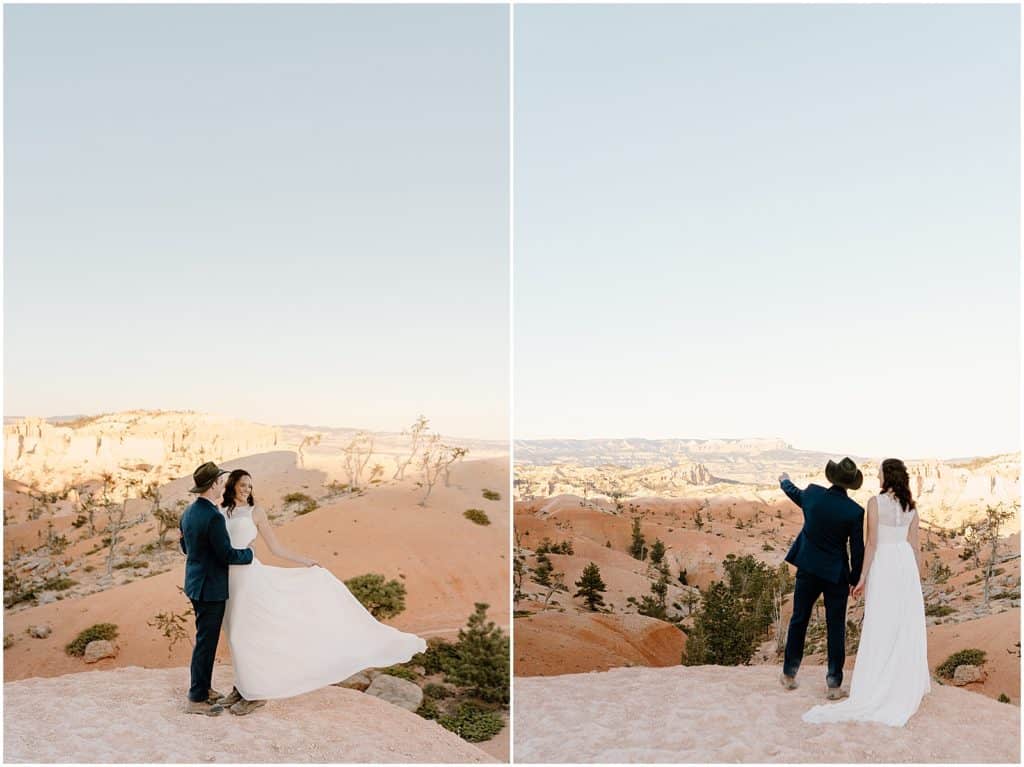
<point x="290" y="214"/>
<point x="788" y="221"/>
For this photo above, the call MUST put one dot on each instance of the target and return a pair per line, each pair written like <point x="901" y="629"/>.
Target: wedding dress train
<point x="296" y="629"/>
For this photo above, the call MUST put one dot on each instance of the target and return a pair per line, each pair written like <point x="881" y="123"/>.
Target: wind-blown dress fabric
<point x="296" y="629"/>
<point x="890" y="674"/>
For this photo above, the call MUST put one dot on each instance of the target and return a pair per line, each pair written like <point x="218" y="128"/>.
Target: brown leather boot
<point x="204" y="707"/>
<point x="244" y="707"/>
<point x="788" y="682"/>
<point x="231" y="698"/>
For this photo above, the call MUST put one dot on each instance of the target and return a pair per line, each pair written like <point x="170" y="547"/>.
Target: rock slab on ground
<point x="967" y="674"/>
<point x="98" y="649"/>
<point x="136" y="715"/>
<point x="398" y="692"/>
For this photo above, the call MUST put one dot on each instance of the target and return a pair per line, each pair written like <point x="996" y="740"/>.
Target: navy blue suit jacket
<point x="831" y="519"/>
<point x="207" y="548"/>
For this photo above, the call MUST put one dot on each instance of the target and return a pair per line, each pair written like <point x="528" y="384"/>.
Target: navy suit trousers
<point x="209" y="617"/>
<point x="806" y="591"/>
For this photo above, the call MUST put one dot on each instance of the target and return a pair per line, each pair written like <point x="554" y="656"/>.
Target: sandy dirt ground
<point x="718" y="714"/>
<point x="135" y="715"/>
<point x="998" y="635"/>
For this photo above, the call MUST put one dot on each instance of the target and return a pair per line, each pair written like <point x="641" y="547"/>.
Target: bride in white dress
<point x="293" y="630"/>
<point x="890" y="675"/>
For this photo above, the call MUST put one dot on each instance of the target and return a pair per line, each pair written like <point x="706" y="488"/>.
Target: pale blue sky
<point x="787" y="221"/>
<point x="290" y="214"/>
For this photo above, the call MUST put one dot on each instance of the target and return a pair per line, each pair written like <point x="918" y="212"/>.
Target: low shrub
<point x="546" y="546"/>
<point x="970" y="657"/>
<point x="437" y="658"/>
<point x="303" y="503"/>
<point x="939" y="611"/>
<point x="472" y="723"/>
<point x="98" y="631"/>
<point x="428" y="709"/>
<point x="58" y="584"/>
<point x="401" y="672"/>
<point x="492" y="495"/>
<point x="477" y="515"/>
<point x="1003" y="698"/>
<point x="437" y="691"/>
<point x="384" y="599"/>
<point x="131" y="563"/>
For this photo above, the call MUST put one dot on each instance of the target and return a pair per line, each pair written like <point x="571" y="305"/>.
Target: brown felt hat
<point x="844" y="474"/>
<point x="205" y="476"/>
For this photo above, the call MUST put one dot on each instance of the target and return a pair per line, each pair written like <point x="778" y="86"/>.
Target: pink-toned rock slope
<point x="740" y="714"/>
<point x="135" y="715"/>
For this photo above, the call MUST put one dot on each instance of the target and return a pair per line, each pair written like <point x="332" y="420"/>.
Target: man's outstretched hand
<point x="783" y="476"/>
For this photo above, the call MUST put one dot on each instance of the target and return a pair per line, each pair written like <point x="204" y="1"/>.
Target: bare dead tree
<point x="454" y="454"/>
<point x="310" y="440"/>
<point x="555" y="585"/>
<point x="995" y="518"/>
<point x="417" y="432"/>
<point x="431" y="463"/>
<point x="356" y="454"/>
<point x="518" y="570"/>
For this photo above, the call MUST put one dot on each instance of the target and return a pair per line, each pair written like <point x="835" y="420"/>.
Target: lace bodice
<point x="241" y="527"/>
<point x="893" y="521"/>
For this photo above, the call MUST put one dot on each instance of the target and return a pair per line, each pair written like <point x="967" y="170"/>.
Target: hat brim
<point x="832" y="475"/>
<point x="208" y="485"/>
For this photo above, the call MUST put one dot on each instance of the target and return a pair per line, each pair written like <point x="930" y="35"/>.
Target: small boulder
<point x="99" y="649"/>
<point x="358" y="681"/>
<point x="41" y="631"/>
<point x="47" y="597"/>
<point x="398" y="692"/>
<point x="967" y="674"/>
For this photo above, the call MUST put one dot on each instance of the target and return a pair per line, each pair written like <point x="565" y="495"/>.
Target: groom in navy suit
<point x="207" y="546"/>
<point x="831" y="521"/>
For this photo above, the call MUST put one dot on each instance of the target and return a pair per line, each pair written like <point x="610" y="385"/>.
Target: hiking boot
<point x="244" y="707"/>
<point x="835" y="693"/>
<point x="204" y="707"/>
<point x="788" y="682"/>
<point x="212" y="696"/>
<point x="231" y="698"/>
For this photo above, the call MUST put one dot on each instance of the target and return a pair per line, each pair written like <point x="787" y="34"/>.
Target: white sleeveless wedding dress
<point x="296" y="629"/>
<point x="890" y="674"/>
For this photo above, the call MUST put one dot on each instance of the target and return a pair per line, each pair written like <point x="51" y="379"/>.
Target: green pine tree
<point x="542" y="572"/>
<point x="655" y="605"/>
<point x="480" y="662"/>
<point x="636" y="548"/>
<point x="591" y="586"/>
<point x="657" y="552"/>
<point x="720" y="634"/>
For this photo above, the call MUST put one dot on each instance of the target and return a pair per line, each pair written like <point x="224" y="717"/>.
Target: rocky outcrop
<point x="135" y="715"/>
<point x="99" y="649"/>
<point x="967" y="674"/>
<point x="397" y="692"/>
<point x="704" y="714"/>
<point x="57" y="458"/>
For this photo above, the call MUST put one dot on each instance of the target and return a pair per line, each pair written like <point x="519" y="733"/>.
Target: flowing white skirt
<point x="296" y="629"/>
<point x="890" y="674"/>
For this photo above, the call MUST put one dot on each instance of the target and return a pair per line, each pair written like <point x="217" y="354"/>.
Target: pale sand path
<point x="135" y="715"/>
<point x="740" y="714"/>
